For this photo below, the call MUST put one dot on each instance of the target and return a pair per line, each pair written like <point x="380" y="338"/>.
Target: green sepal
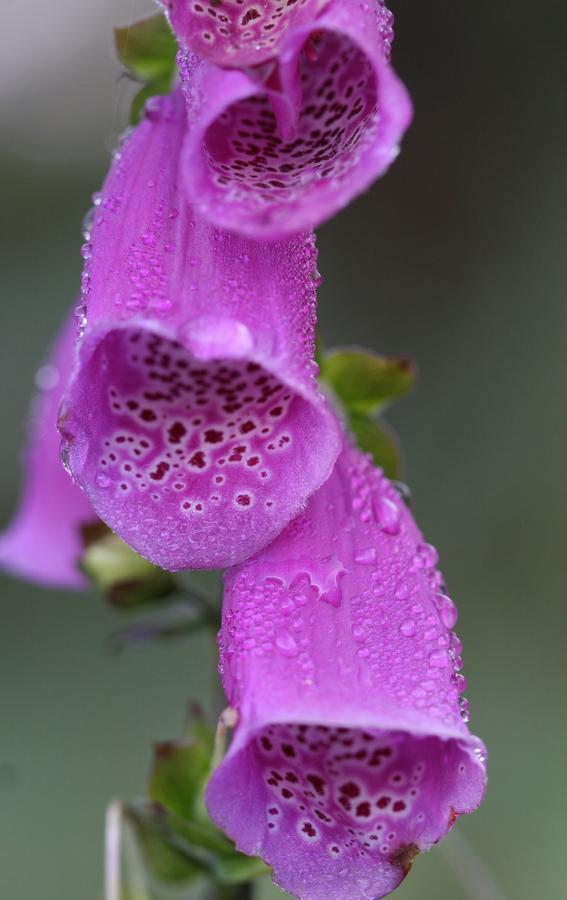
<point x="159" y="86"/>
<point x="377" y="438"/>
<point x="168" y="857"/>
<point x="236" y="868"/>
<point x="148" y="50"/>
<point x="180" y="770"/>
<point x="364" y="382"/>
<point x="177" y="785"/>
<point x="178" y="621"/>
<point x="128" y="580"/>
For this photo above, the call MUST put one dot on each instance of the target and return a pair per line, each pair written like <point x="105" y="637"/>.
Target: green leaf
<point x="376" y="438"/>
<point x="128" y="580"/>
<point x="168" y="857"/>
<point x="364" y="382"/>
<point x="179" y="774"/>
<point x="148" y="51"/>
<point x="155" y="87"/>
<point x="148" y="47"/>
<point x="178" y="779"/>
<point x="235" y="868"/>
<point x="202" y="835"/>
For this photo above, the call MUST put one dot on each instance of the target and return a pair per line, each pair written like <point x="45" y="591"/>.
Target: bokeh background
<point x="455" y="258"/>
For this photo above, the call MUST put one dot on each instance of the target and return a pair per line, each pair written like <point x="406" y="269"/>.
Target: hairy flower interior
<point x="351" y="792"/>
<point x="338" y="114"/>
<point x="195" y="450"/>
<point x="242" y="29"/>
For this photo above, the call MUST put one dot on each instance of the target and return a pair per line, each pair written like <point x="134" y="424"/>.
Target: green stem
<point x="208" y="607"/>
<point x="233" y="892"/>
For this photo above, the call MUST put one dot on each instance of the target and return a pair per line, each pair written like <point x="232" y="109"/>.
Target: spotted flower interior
<point x="185" y="454"/>
<point x="193" y="409"/>
<point x="238" y="32"/>
<point x="284" y="148"/>
<point x="369" y="799"/>
<point x="254" y="164"/>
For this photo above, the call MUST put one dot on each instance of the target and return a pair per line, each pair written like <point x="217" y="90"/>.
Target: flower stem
<point x="234" y="892"/>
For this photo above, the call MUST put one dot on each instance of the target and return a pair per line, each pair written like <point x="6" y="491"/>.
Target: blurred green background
<point x="455" y="259"/>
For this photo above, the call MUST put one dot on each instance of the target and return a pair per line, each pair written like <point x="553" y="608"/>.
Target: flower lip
<point x="268" y="161"/>
<point x="345" y="803"/>
<point x="352" y="749"/>
<point x="210" y="452"/>
<point x="238" y="34"/>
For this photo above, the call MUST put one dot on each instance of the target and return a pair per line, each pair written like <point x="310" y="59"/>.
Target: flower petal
<point x="351" y="754"/>
<point x="43" y="542"/>
<point x="236" y="33"/>
<point x="285" y="146"/>
<point x="194" y="411"/>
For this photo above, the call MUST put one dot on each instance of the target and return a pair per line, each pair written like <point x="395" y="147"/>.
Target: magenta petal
<point x="237" y="33"/>
<point x="284" y="147"/>
<point x="43" y="543"/>
<point x="351" y="753"/>
<point x="193" y="421"/>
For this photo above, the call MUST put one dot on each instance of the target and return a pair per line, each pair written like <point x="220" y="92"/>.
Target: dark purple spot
<point x="350" y="789"/>
<point x="213" y="437"/>
<point x="198" y="460"/>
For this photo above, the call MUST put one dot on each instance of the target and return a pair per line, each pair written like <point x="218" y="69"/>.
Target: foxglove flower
<point x="193" y="420"/>
<point x="237" y="33"/>
<point x="284" y="146"/>
<point x="351" y="754"/>
<point x="44" y="543"/>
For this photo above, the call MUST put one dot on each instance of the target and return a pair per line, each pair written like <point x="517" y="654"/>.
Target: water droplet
<point x="211" y="337"/>
<point x="153" y="109"/>
<point x="366" y="557"/>
<point x="286" y="644"/>
<point x="426" y="557"/>
<point x="447" y="610"/>
<point x="439" y="659"/>
<point x="480" y="754"/>
<point x="402" y="591"/>
<point x="80" y="316"/>
<point x="403" y="490"/>
<point x="465" y="709"/>
<point x="334" y="594"/>
<point x="460" y="682"/>
<point x="65" y="461"/>
<point x="387" y="515"/>
<point x="408" y="628"/>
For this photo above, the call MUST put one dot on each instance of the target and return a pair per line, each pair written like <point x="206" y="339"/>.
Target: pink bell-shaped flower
<point x="352" y="753"/>
<point x="43" y="543"/>
<point x="193" y="420"/>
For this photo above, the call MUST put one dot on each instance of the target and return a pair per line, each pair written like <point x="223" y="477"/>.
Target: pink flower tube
<point x="238" y="32"/>
<point x="351" y="754"/>
<point x="193" y="420"/>
<point x="43" y="543"/>
<point x="283" y="147"/>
